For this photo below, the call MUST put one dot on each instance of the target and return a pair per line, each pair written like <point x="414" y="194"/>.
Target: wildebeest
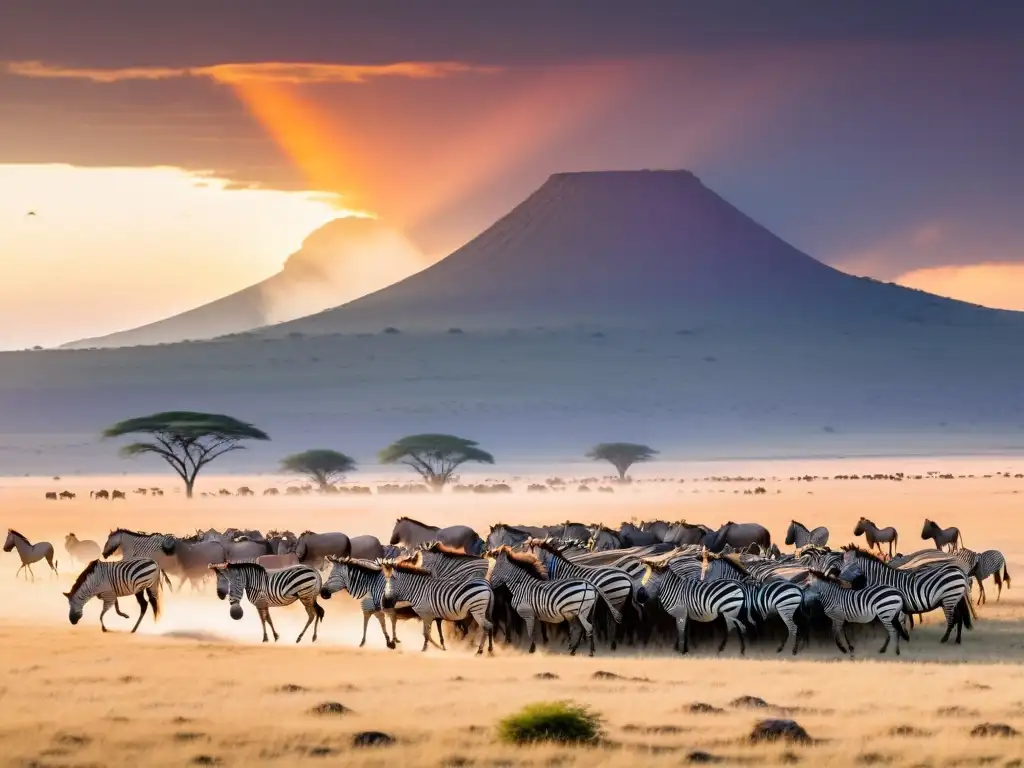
<point x="513" y="535"/>
<point x="244" y="549"/>
<point x="411" y="533"/>
<point x="943" y="537"/>
<point x="366" y="548"/>
<point x="245" y="491"/>
<point x="118" y="495"/>
<point x="84" y="551"/>
<point x="631" y="536"/>
<point x="271" y="492"/>
<point x="313" y="548"/>
<point x="739" y="536"/>
<point x="66" y="495"/>
<point x="29" y="552"/>
<point x="603" y="538"/>
<point x="799" y="535"/>
<point x="877" y="536"/>
<point x="194" y="558"/>
<point x="277" y="562"/>
<point x="99" y="494"/>
<point x="51" y="495"/>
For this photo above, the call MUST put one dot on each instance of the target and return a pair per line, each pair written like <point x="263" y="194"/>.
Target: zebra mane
<point x="799" y="525"/>
<point x="405" y="566"/>
<point x="306" y="533"/>
<point x="129" y="531"/>
<point x="548" y="546"/>
<point x="242" y="567"/>
<point x="441" y="548"/>
<point x="812" y="549"/>
<point x="867" y="555"/>
<point x="417" y="522"/>
<point x="19" y="535"/>
<point x="369" y="566"/>
<point x="600" y="528"/>
<point x="85" y="574"/>
<point x="684" y="524"/>
<point x="658" y="565"/>
<point x="524" y="560"/>
<point x="821" y="575"/>
<point x="731" y="558"/>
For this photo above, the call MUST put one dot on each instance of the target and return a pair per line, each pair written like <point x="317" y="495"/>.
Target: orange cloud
<point x="991" y="284"/>
<point x="293" y="73"/>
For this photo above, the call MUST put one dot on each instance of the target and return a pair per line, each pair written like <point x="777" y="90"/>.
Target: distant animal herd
<point x="652" y="582"/>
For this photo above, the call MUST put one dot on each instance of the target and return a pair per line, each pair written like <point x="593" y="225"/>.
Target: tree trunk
<point x="189" y="484"/>
<point x="437" y="483"/>
<point x="623" y="468"/>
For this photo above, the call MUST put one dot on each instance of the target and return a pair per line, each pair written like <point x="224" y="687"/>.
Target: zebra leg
<point x="394" y="628"/>
<point x="366" y="623"/>
<point x="981" y="593"/>
<point x="531" y="628"/>
<point x="141" y="597"/>
<point x="118" y="611"/>
<point x="271" y="623"/>
<point x="181" y="583"/>
<point x="950" y="612"/>
<point x="310" y="618"/>
<point x="383" y="628"/>
<point x="846" y="636"/>
<point x="543" y="633"/>
<point x="106" y="607"/>
<point x="426" y="633"/>
<point x="681" y="635"/>
<point x="837" y="628"/>
<point x="792" y="633"/>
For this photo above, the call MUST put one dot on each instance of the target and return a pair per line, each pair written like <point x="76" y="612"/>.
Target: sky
<point x="175" y="151"/>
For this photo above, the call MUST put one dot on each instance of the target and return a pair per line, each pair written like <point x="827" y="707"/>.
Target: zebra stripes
<point x="109" y="581"/>
<point x="703" y="601"/>
<point x="778" y="598"/>
<point x="135" y="544"/>
<point x="432" y="599"/>
<point x="981" y="565"/>
<point x="270" y="588"/>
<point x="535" y="598"/>
<point x="943" y="585"/>
<point x="862" y="605"/>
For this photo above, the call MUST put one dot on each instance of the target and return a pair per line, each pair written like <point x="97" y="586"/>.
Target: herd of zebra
<point x="639" y="584"/>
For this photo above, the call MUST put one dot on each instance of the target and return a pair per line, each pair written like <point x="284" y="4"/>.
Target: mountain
<point x="342" y="260"/>
<point x="650" y="249"/>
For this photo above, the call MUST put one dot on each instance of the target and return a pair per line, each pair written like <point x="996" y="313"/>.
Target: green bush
<point x="559" y="721"/>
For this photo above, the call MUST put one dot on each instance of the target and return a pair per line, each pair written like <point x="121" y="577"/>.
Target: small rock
<point x="205" y="760"/>
<point x="72" y="740"/>
<point x="994" y="729"/>
<point x="908" y="730"/>
<point x="702" y="757"/>
<point x="319" y="751"/>
<point x="789" y="758"/>
<point x="188" y="736"/>
<point x="776" y="730"/>
<point x="602" y="675"/>
<point x="546" y="676"/>
<point x="750" y="702"/>
<point x="372" y="739"/>
<point x="291" y="688"/>
<point x="701" y="708"/>
<point x="330" y="708"/>
<point x="957" y="712"/>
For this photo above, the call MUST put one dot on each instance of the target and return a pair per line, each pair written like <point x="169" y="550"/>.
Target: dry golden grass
<point x="196" y="687"/>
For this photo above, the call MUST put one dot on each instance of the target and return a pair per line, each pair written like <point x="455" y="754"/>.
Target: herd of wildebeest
<point x="641" y="584"/>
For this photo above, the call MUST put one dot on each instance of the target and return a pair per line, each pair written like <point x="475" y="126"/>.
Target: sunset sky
<point x="174" y="152"/>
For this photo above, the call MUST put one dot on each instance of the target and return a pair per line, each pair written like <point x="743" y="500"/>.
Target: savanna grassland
<point x="197" y="688"/>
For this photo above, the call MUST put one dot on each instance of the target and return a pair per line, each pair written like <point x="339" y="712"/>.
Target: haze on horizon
<point x="173" y="153"/>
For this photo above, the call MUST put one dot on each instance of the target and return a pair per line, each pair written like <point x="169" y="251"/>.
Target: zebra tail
<point x="319" y="611"/>
<point x="616" y="614"/>
<point x="154" y="600"/>
<point x="898" y="626"/>
<point x="966" y="608"/>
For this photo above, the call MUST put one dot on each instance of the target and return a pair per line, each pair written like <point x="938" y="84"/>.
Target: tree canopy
<point x="621" y="455"/>
<point x="186" y="440"/>
<point x="434" y="457"/>
<point x="322" y="465"/>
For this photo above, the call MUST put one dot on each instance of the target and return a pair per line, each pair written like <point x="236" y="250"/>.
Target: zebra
<point x="799" y="535"/>
<point x="109" y="581"/>
<point x="942" y="586"/>
<point x="364" y="581"/>
<point x="270" y="588"/>
<point x="445" y="562"/>
<point x="860" y="605"/>
<point x="981" y="565"/>
<point x="703" y="601"/>
<point x="773" y="598"/>
<point x="877" y="536"/>
<point x="535" y="598"/>
<point x="614" y="583"/>
<point x="136" y="544"/>
<point x="30" y="553"/>
<point x="439" y="599"/>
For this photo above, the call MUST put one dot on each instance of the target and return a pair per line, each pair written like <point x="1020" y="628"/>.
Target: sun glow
<point x="112" y="248"/>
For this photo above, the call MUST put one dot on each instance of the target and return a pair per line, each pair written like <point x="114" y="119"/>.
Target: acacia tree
<point x="621" y="455"/>
<point x="434" y="457"/>
<point x="186" y="440"/>
<point x="322" y="465"/>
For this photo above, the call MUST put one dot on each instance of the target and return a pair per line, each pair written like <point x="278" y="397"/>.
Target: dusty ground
<point x="197" y="688"/>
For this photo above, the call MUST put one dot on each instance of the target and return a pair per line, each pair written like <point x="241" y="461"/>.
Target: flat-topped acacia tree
<point x="434" y="457"/>
<point x="186" y="440"/>
<point x="621" y="455"/>
<point x="322" y="465"/>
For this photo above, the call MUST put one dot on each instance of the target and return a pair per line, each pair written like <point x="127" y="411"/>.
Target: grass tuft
<point x="551" y="721"/>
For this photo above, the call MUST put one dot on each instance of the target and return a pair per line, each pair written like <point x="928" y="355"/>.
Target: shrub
<point x="558" y="721"/>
